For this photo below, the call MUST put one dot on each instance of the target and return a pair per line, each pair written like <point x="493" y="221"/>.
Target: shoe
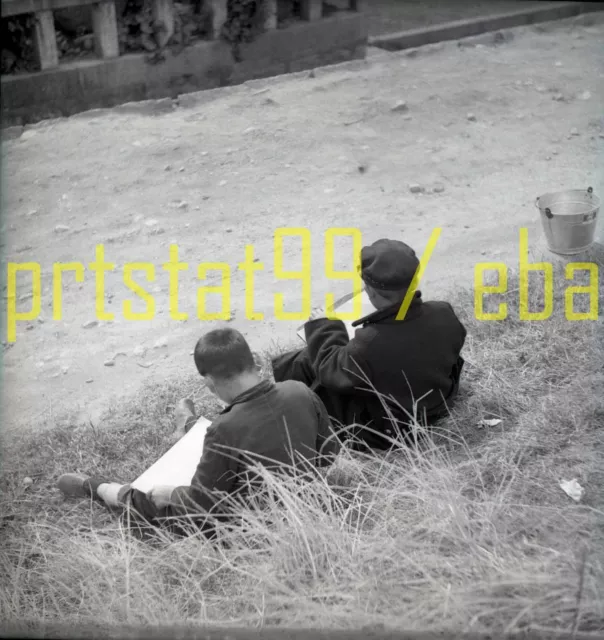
<point x="79" y="485"/>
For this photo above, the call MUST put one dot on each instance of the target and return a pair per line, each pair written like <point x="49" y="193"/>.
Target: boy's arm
<point x="335" y="357"/>
<point x="328" y="445"/>
<point x="215" y="473"/>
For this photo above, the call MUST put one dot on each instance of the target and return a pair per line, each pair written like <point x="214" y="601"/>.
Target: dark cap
<point x="388" y="265"/>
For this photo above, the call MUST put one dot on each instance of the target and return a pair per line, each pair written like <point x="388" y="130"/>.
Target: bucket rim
<point x="584" y="196"/>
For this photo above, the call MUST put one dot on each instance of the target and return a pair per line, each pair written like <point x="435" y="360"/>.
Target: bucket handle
<point x="548" y="212"/>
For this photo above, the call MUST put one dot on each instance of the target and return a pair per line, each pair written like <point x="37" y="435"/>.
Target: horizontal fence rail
<point x="105" y="28"/>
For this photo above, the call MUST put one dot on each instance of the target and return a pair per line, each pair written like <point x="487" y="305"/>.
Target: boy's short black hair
<point x="223" y="353"/>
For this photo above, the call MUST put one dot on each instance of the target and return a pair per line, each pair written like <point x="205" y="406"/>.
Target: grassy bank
<point x="470" y="532"/>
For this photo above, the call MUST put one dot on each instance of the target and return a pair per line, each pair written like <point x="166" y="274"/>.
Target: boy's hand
<point x="160" y="495"/>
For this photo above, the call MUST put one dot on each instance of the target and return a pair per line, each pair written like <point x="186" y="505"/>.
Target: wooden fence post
<point x="163" y="12"/>
<point x="104" y="24"/>
<point x="311" y="10"/>
<point x="45" y="40"/>
<point x="219" y="16"/>
<point x="270" y="14"/>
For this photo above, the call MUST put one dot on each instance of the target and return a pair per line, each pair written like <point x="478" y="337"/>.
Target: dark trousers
<point x="142" y="518"/>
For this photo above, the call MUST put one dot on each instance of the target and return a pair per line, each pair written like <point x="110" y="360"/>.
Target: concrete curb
<point x="477" y="26"/>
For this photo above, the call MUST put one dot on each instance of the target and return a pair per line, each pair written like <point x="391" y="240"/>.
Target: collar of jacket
<point x="259" y="390"/>
<point x="388" y="312"/>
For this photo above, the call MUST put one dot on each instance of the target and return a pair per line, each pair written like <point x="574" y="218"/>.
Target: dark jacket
<point x="414" y="359"/>
<point x="276" y="425"/>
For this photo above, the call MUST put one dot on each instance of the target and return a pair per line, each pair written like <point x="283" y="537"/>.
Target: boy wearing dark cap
<point x="414" y="364"/>
<point x="283" y="426"/>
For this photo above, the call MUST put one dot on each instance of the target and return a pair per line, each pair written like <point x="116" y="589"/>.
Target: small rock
<point x="558" y="63"/>
<point x="90" y="324"/>
<point x="109" y="363"/>
<point x="250" y="130"/>
<point x="162" y="342"/>
<point x="438" y="188"/>
<point x="362" y="168"/>
<point x="222" y="183"/>
<point x="229" y="230"/>
<point x="168" y="167"/>
<point x="29" y="327"/>
<point x="181" y="170"/>
<point x="311" y="73"/>
<point x="558" y="97"/>
<point x="60" y="228"/>
<point x="471" y="117"/>
<point x="182" y="205"/>
<point x="139" y="351"/>
<point x="548" y="158"/>
<point x="41" y="320"/>
<point x="65" y="370"/>
<point x="574" y="131"/>
<point x="27" y="481"/>
<point x="270" y="102"/>
<point x="89" y="380"/>
<point x="151" y="223"/>
<point x="586" y="95"/>
<point x="555" y="152"/>
<point x="416" y="188"/>
<point x="400" y="107"/>
<point x="31" y="213"/>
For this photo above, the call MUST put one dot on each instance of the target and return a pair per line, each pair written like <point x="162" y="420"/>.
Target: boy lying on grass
<point x="284" y="427"/>
<point x="414" y="362"/>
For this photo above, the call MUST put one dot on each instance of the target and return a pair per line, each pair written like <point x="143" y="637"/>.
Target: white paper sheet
<point x="177" y="466"/>
<point x="346" y="305"/>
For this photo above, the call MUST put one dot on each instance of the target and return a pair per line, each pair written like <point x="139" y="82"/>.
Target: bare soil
<point x="285" y="152"/>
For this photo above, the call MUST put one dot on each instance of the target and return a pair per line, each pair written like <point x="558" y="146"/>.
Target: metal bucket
<point x="569" y="219"/>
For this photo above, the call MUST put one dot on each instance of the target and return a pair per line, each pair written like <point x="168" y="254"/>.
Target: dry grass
<point x="469" y="532"/>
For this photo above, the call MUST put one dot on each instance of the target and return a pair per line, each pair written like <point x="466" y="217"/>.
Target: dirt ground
<point x="285" y="152"/>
